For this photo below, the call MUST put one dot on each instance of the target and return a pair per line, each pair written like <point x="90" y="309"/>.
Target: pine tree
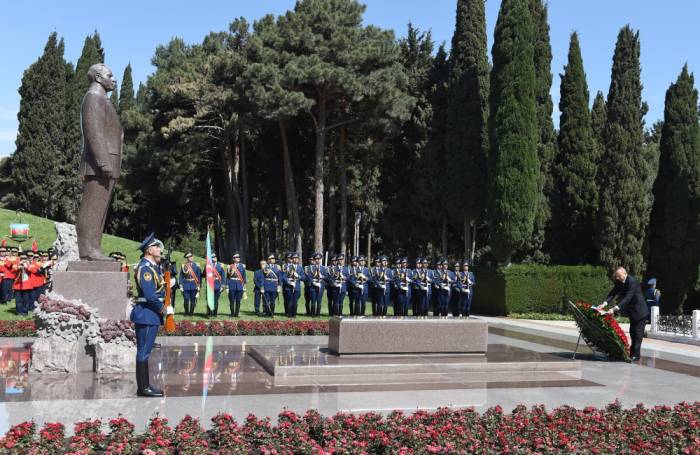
<point x="467" y="116"/>
<point x="577" y="163"/>
<point x="534" y="249"/>
<point x="675" y="217"/>
<point x="599" y="116"/>
<point x="114" y="98"/>
<point x="38" y="157"/>
<point x="624" y="213"/>
<point x="70" y="185"/>
<point x="513" y="163"/>
<point x="126" y="91"/>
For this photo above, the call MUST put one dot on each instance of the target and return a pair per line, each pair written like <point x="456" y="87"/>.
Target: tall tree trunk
<point x="342" y="182"/>
<point x="467" y="237"/>
<point x="370" y="233"/>
<point x="290" y="191"/>
<point x="332" y="194"/>
<point x="230" y="160"/>
<point x="318" y="174"/>
<point x="443" y="234"/>
<point x="244" y="223"/>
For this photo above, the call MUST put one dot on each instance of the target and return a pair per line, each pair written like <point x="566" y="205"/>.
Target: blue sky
<point x="131" y="31"/>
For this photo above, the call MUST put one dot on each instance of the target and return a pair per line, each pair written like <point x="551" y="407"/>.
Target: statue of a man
<point x="100" y="164"/>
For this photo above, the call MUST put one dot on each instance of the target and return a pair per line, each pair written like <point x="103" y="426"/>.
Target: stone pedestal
<point x="101" y="285"/>
<point x="407" y="336"/>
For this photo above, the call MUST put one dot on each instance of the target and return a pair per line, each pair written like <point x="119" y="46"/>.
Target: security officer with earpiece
<point x="149" y="311"/>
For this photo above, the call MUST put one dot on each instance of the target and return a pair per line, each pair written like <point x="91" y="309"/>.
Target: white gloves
<point x="169" y="310"/>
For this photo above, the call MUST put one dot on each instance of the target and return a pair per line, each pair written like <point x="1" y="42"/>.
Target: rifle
<point x="169" y="319"/>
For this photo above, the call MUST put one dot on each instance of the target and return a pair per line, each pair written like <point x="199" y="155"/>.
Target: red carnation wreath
<point x="601" y="332"/>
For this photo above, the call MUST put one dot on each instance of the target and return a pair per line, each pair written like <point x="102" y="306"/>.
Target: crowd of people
<point x="417" y="291"/>
<point x="25" y="276"/>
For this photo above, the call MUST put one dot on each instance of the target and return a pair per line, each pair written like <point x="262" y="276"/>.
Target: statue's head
<point x="101" y="74"/>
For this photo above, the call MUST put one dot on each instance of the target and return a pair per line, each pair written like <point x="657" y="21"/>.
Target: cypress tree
<point x="534" y="249"/>
<point x="114" y="98"/>
<point x="675" y="217"/>
<point x="513" y="162"/>
<point x="70" y="186"/>
<point x="467" y="114"/>
<point x="126" y="91"/>
<point x="40" y="137"/>
<point x="624" y="212"/>
<point x="599" y="116"/>
<point x="577" y="163"/>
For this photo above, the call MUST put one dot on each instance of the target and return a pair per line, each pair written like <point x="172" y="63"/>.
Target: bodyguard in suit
<point x="100" y="164"/>
<point x="190" y="281"/>
<point x="403" y="279"/>
<point x="292" y="277"/>
<point x="630" y="302"/>
<point x="315" y="284"/>
<point x="148" y="312"/>
<point x="236" y="281"/>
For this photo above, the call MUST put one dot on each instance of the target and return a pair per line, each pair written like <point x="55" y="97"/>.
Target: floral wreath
<point x="601" y="332"/>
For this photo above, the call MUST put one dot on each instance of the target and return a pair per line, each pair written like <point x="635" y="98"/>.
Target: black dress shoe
<point x="150" y="392"/>
<point x="634" y="358"/>
<point x="156" y="345"/>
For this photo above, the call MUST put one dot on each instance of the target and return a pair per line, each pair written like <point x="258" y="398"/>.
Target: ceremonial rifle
<point x="167" y="276"/>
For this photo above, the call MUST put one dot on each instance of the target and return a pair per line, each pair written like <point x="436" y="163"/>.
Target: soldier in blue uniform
<point x="373" y="293"/>
<point x="190" y="281"/>
<point x="455" y="291"/>
<point x="219" y="276"/>
<point x="267" y="284"/>
<point x="307" y="294"/>
<point x="337" y="286"/>
<point x="148" y="312"/>
<point x="382" y="279"/>
<point x="235" y="281"/>
<point x="466" y="289"/>
<point x="357" y="283"/>
<point x="422" y="283"/>
<point x="443" y="278"/>
<point x="652" y="295"/>
<point x="292" y="276"/>
<point x="403" y="278"/>
<point x="315" y="284"/>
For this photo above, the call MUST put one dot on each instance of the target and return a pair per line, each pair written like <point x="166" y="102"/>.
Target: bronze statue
<point x="100" y="164"/>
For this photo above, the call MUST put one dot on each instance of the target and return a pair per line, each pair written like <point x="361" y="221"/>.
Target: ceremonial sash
<point x="190" y="271"/>
<point x="217" y="275"/>
<point x="237" y="272"/>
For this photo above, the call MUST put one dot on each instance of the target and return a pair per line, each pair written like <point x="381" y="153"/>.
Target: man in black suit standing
<point x="631" y="302"/>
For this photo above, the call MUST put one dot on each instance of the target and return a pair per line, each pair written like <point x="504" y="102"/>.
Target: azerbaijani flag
<point x="208" y="364"/>
<point x="209" y="272"/>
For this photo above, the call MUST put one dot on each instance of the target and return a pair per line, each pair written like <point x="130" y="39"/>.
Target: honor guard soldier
<point x="307" y="294"/>
<point x="382" y="278"/>
<point x="292" y="276"/>
<point x="337" y="285"/>
<point x="357" y="287"/>
<point x="455" y="291"/>
<point x="272" y="262"/>
<point x="466" y="281"/>
<point x="422" y="282"/>
<point x="218" y="271"/>
<point x="149" y="311"/>
<point x="315" y="284"/>
<point x="3" y="271"/>
<point x="403" y="278"/>
<point x="444" y="279"/>
<point x="236" y="281"/>
<point x="190" y="279"/>
<point x="267" y="285"/>
<point x="11" y="267"/>
<point x="373" y="293"/>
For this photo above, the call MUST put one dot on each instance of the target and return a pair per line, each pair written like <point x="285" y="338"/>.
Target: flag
<point x="208" y="364"/>
<point x="209" y="272"/>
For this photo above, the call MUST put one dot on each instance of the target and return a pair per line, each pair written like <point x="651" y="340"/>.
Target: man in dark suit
<point x="631" y="302"/>
<point x="100" y="164"/>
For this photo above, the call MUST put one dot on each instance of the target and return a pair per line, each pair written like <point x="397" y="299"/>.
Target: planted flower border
<point x="189" y="328"/>
<point x="612" y="429"/>
<point x="602" y="331"/>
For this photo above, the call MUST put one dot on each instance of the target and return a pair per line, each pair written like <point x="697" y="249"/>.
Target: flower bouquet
<point x="601" y="332"/>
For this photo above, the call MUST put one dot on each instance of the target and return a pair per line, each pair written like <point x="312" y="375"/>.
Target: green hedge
<point x="526" y="288"/>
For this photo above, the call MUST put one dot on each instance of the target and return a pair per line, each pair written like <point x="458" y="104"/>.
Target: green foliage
<point x="536" y="288"/>
<point x="467" y="113"/>
<point x="535" y="249"/>
<point x="37" y="164"/>
<point x="675" y="218"/>
<point x="624" y="211"/>
<point x="514" y="176"/>
<point x="577" y="164"/>
<point x="126" y="91"/>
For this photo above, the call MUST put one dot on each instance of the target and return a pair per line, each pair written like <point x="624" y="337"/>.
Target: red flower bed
<point x="190" y="328"/>
<point x="658" y="430"/>
<point x="603" y="331"/>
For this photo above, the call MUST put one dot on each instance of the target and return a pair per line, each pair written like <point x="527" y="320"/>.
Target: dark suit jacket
<point x="631" y="300"/>
<point x="102" y="136"/>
